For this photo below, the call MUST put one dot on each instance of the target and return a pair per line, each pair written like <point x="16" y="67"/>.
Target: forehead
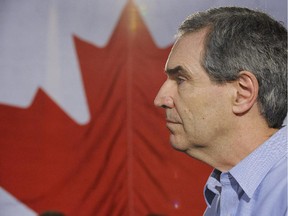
<point x="187" y="50"/>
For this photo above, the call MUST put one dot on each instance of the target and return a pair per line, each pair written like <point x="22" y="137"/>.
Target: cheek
<point x="193" y="107"/>
<point x="202" y="110"/>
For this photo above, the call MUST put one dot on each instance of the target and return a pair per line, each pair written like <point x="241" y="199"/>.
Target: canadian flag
<point x="79" y="132"/>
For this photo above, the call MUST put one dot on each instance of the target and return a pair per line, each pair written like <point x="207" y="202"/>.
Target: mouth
<point x="171" y="125"/>
<point x="171" y="121"/>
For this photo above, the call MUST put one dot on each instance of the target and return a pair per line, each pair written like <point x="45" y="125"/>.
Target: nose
<point x="164" y="97"/>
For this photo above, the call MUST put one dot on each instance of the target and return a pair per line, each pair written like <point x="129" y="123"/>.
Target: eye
<point x="180" y="79"/>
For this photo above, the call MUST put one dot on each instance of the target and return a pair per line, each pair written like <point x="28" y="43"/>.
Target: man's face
<point x="197" y="110"/>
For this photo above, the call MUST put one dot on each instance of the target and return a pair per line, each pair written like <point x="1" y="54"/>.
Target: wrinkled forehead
<point x="187" y="48"/>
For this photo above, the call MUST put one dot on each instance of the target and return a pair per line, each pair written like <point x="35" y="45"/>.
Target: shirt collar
<point x="251" y="170"/>
<point x="213" y="187"/>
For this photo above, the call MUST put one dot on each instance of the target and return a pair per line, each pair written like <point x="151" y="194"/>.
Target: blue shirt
<point x="256" y="186"/>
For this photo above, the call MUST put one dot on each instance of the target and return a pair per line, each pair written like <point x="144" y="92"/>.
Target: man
<point x="225" y="99"/>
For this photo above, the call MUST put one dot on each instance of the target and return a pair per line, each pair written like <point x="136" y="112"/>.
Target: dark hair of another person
<point x="52" y="213"/>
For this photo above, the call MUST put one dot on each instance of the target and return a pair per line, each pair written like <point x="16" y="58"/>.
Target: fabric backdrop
<point x="79" y="133"/>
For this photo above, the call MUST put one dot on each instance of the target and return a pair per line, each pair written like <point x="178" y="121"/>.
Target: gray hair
<point x="242" y="39"/>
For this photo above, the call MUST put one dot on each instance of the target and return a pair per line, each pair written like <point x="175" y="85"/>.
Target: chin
<point x="178" y="144"/>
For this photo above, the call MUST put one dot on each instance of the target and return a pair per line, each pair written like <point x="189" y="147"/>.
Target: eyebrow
<point x="176" y="71"/>
<point x="173" y="71"/>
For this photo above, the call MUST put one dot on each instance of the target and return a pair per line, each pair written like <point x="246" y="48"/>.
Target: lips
<point x="172" y="121"/>
<point x="172" y="117"/>
<point x="171" y="125"/>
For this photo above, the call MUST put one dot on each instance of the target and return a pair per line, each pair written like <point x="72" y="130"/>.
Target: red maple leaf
<point x="120" y="163"/>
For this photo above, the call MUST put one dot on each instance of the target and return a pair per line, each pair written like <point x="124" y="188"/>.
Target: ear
<point x="246" y="92"/>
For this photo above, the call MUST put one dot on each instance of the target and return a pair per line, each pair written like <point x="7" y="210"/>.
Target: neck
<point x="226" y="153"/>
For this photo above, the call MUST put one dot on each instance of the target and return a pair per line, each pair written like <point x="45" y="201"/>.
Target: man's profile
<point x="225" y="99"/>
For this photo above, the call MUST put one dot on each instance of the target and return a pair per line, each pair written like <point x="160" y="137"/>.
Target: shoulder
<point x="271" y="194"/>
